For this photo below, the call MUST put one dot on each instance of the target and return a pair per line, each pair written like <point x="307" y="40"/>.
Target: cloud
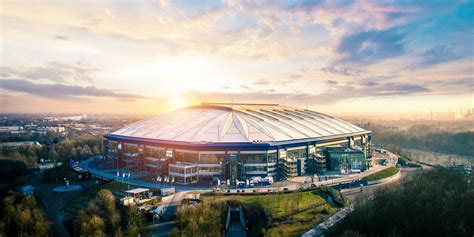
<point x="437" y="55"/>
<point x="345" y="71"/>
<point x="335" y="93"/>
<point x="331" y="82"/>
<point x="262" y="81"/>
<point x="371" y="46"/>
<point x="246" y="87"/>
<point x="61" y="37"/>
<point x="295" y="76"/>
<point x="61" y="91"/>
<point x="52" y="72"/>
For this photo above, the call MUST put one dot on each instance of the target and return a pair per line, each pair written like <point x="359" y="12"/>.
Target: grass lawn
<point x="275" y="204"/>
<point x="57" y="174"/>
<point x="291" y="213"/>
<point x="382" y="174"/>
<point x="85" y="197"/>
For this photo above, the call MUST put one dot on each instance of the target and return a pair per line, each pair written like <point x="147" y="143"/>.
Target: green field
<point x="382" y="174"/>
<point x="82" y="199"/>
<point x="276" y="204"/>
<point x="57" y="175"/>
<point x="290" y="213"/>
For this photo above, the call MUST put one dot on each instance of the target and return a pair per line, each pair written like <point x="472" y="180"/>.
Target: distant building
<point x="10" y="129"/>
<point x="235" y="142"/>
<point x="58" y="129"/>
<point x="19" y="144"/>
<point x="26" y="190"/>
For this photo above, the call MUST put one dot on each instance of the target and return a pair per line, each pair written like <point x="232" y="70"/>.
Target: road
<point x="355" y="194"/>
<point x="162" y="229"/>
<point x="54" y="202"/>
<point x="290" y="184"/>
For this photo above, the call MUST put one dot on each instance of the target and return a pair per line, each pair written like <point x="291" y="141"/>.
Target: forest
<point x="432" y="203"/>
<point x="442" y="137"/>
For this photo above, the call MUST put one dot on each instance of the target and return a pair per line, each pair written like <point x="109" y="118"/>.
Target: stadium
<point x="223" y="141"/>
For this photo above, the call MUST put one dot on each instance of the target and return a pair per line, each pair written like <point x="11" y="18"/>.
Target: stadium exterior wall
<point x="193" y="162"/>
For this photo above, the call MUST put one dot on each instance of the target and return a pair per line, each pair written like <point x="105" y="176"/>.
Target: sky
<point x="339" y="57"/>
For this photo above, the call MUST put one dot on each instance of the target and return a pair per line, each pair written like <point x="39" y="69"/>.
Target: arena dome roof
<point x="239" y="123"/>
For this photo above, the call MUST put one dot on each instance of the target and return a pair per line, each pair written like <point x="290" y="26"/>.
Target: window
<point x="255" y="168"/>
<point x="211" y="158"/>
<point x="178" y="170"/>
<point x="210" y="169"/>
<point x="191" y="170"/>
<point x="253" y="158"/>
<point x="130" y="149"/>
<point x="297" y="153"/>
<point x="185" y="157"/>
<point x="113" y="145"/>
<point x="272" y="156"/>
<point x="154" y="152"/>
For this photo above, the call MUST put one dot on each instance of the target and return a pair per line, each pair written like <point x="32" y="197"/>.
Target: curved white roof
<point x="228" y="123"/>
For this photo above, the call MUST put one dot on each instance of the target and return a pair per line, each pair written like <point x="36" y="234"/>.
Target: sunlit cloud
<point x="297" y="52"/>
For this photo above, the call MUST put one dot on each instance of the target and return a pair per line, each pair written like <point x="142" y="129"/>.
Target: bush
<point x="335" y="195"/>
<point x="403" y="161"/>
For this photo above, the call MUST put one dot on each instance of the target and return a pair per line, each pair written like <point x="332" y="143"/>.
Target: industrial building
<point x="234" y="142"/>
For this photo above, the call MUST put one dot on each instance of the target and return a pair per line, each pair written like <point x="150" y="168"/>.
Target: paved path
<point x="54" y="202"/>
<point x="163" y="229"/>
<point x="113" y="176"/>
<point x="324" y="226"/>
<point x="290" y="184"/>
<point x="172" y="205"/>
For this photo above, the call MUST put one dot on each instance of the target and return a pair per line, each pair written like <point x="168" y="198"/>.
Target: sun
<point x="177" y="102"/>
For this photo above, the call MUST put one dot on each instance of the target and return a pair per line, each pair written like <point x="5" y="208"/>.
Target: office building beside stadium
<point x="234" y="141"/>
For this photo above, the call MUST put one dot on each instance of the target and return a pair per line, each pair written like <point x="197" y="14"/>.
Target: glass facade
<point x="255" y="169"/>
<point x="345" y="159"/>
<point x="126" y="148"/>
<point x="181" y="156"/>
<point x="253" y="158"/>
<point x="188" y="165"/>
<point x="205" y="158"/>
<point x="272" y="156"/>
<point x="210" y="169"/>
<point x="156" y="152"/>
<point x="296" y="153"/>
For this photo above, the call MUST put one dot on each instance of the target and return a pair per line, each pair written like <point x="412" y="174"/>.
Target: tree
<point x="311" y="166"/>
<point x="134" y="221"/>
<point x="53" y="155"/>
<point x="41" y="226"/>
<point x="106" y="202"/>
<point x="89" y="225"/>
<point x="24" y="218"/>
<point x="432" y="203"/>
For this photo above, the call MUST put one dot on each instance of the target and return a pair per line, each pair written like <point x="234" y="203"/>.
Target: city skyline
<point x="353" y="57"/>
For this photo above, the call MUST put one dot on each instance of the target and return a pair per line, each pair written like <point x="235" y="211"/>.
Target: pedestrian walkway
<point x="132" y="181"/>
<point x="324" y="226"/>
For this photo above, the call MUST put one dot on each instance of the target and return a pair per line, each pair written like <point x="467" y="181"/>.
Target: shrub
<point x="335" y="195"/>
